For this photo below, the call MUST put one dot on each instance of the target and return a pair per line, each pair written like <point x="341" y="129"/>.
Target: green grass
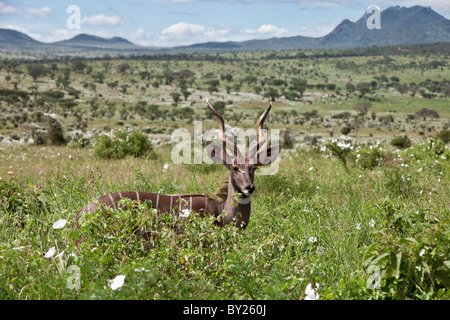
<point x="315" y="221"/>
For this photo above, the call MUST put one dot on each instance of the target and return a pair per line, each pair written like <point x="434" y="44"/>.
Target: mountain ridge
<point x="399" y="26"/>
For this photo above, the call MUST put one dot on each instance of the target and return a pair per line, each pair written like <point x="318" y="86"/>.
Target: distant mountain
<point x="399" y="26"/>
<point x="15" y="39"/>
<point x="88" y="41"/>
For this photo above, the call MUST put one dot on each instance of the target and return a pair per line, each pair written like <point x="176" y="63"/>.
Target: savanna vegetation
<point x="358" y="209"/>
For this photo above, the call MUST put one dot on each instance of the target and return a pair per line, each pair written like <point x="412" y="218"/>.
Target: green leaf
<point x="447" y="264"/>
<point x="408" y="240"/>
<point x="370" y="254"/>
<point x="395" y="262"/>
<point x="378" y="261"/>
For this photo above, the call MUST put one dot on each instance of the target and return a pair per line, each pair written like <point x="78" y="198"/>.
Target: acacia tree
<point x="424" y="113"/>
<point x="186" y="94"/>
<point x="363" y="107"/>
<point x="298" y="85"/>
<point x="175" y="96"/>
<point x="36" y="71"/>
<point x="271" y="93"/>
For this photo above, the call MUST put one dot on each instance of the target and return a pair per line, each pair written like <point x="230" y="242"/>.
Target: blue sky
<point x="181" y="22"/>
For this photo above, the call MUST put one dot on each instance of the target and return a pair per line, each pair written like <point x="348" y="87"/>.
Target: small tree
<point x="298" y="85"/>
<point x="36" y="71"/>
<point x="364" y="88"/>
<point x="186" y="94"/>
<point x="271" y="93"/>
<point x="424" y="113"/>
<point x="363" y="107"/>
<point x="175" y="96"/>
<point x="350" y="87"/>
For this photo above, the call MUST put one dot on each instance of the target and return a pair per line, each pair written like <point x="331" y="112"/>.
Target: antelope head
<point x="242" y="167"/>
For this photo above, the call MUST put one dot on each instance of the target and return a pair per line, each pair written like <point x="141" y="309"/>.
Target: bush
<point x="346" y="130"/>
<point x="341" y="149"/>
<point x="121" y="144"/>
<point x="443" y="135"/>
<point x="52" y="134"/>
<point x="401" y="142"/>
<point x="369" y="158"/>
<point x="411" y="267"/>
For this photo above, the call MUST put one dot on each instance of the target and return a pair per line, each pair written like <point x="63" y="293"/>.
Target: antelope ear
<point x="268" y="155"/>
<point x="215" y="151"/>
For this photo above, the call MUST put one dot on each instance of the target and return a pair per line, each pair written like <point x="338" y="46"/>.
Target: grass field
<point x="354" y="216"/>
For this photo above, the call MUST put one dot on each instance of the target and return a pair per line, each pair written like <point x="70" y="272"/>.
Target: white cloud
<point x="102" y="20"/>
<point x="7" y="9"/>
<point x="183" y="33"/>
<point x="181" y="29"/>
<point x="27" y="13"/>
<point x="266" y="29"/>
<point x="41" y="13"/>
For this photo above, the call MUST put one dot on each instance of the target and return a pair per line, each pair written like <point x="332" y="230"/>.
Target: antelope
<point x="235" y="194"/>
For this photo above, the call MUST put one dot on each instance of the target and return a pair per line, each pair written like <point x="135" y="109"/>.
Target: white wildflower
<point x="50" y="253"/>
<point x="59" y="224"/>
<point x="311" y="293"/>
<point x="358" y="226"/>
<point x="420" y="170"/>
<point x="422" y="252"/>
<point x="60" y="255"/>
<point x="185" y="213"/>
<point x="343" y="145"/>
<point x="166" y="166"/>
<point x="117" y="282"/>
<point x="372" y="223"/>
<point x="312" y="239"/>
<point x="311" y="168"/>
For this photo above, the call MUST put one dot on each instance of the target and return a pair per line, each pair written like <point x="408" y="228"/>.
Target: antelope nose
<point x="250" y="188"/>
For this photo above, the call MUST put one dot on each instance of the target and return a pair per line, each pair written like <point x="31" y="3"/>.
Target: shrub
<point x="401" y="142"/>
<point x="121" y="144"/>
<point x="288" y="139"/>
<point x="443" y="135"/>
<point x="369" y="158"/>
<point x="341" y="149"/>
<point x="52" y="134"/>
<point x="411" y="267"/>
<point x="346" y="130"/>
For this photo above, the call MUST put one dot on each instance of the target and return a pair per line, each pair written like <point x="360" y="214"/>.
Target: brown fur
<point x="222" y="191"/>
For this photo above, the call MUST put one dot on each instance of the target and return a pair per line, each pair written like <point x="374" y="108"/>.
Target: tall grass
<point x="375" y="228"/>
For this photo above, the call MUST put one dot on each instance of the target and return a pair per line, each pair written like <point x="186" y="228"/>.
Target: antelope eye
<point x="236" y="169"/>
